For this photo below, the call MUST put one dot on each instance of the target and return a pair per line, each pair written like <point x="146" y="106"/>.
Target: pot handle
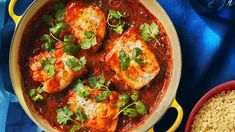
<point x="178" y="119"/>
<point x="11" y="6"/>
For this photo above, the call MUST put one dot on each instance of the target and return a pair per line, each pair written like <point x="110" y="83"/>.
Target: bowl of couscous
<point x="215" y="111"/>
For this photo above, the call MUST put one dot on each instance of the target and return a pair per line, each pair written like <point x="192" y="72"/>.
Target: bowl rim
<point x="226" y="86"/>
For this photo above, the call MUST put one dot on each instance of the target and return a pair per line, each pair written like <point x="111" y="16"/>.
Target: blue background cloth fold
<point x="208" y="52"/>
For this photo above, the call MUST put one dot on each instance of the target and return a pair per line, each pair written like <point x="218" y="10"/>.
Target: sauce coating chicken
<point x="131" y="51"/>
<point x="99" y="114"/>
<point x="52" y="71"/>
<point x="86" y="19"/>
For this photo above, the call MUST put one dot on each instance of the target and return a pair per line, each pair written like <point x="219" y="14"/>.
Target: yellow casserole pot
<point x="147" y="125"/>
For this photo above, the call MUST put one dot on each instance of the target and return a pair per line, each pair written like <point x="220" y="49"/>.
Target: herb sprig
<point x="127" y="108"/>
<point x="116" y="16"/>
<point x="80" y="89"/>
<point x="64" y="115"/>
<point x="76" y="64"/>
<point x="98" y="82"/>
<point x="149" y="32"/>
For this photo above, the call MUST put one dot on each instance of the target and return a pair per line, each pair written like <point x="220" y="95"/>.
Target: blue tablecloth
<point x="208" y="50"/>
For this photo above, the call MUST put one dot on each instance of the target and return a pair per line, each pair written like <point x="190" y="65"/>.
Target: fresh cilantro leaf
<point x="68" y="39"/>
<point x="32" y="92"/>
<point x="97" y="82"/>
<point x="80" y="89"/>
<point x="75" y="128"/>
<point x="56" y="29"/>
<point x="140" y="107"/>
<point x="115" y="14"/>
<point x="50" y="42"/>
<point x="49" y="70"/>
<point x="47" y="19"/>
<point x="136" y="56"/>
<point x="120" y="104"/>
<point x="71" y="49"/>
<point x="135" y="96"/>
<point x="124" y="60"/>
<point x="124" y="97"/>
<point x="63" y="115"/>
<point x="101" y="97"/>
<point x="37" y="97"/>
<point x="123" y="100"/>
<point x="39" y="90"/>
<point x="89" y="40"/>
<point x="89" y="34"/>
<point x="92" y="81"/>
<point x="149" y="31"/>
<point x="130" y="112"/>
<point x="35" y="94"/>
<point x="76" y="64"/>
<point x="59" y="15"/>
<point x="48" y="61"/>
<point x="79" y="116"/>
<point x="48" y="66"/>
<point x="82" y="61"/>
<point x="119" y="29"/>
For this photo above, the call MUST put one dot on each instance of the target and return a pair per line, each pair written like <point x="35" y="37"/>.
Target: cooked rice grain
<point x="217" y="114"/>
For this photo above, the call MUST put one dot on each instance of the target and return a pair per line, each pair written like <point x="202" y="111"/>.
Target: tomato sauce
<point x="151" y="94"/>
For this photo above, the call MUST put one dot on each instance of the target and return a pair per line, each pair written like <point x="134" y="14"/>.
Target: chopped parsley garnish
<point x="124" y="60"/>
<point x="127" y="108"/>
<point x="63" y="115"/>
<point x="89" y="40"/>
<point x="56" y="29"/>
<point x="116" y="16"/>
<point x="149" y="32"/>
<point x="35" y="94"/>
<point x="60" y="11"/>
<point x="80" y="89"/>
<point x="79" y="115"/>
<point x="76" y="64"/>
<point x="49" y="42"/>
<point x="48" y="66"/>
<point x="136" y="56"/>
<point x="101" y="97"/>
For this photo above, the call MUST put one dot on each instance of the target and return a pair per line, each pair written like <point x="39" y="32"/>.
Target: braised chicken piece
<point x="56" y="71"/>
<point x="99" y="114"/>
<point x="134" y="63"/>
<point x="87" y="23"/>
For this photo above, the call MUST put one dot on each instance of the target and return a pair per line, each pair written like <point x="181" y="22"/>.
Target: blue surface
<point x="208" y="50"/>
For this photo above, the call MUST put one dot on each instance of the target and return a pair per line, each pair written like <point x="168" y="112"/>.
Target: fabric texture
<point x="208" y="51"/>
